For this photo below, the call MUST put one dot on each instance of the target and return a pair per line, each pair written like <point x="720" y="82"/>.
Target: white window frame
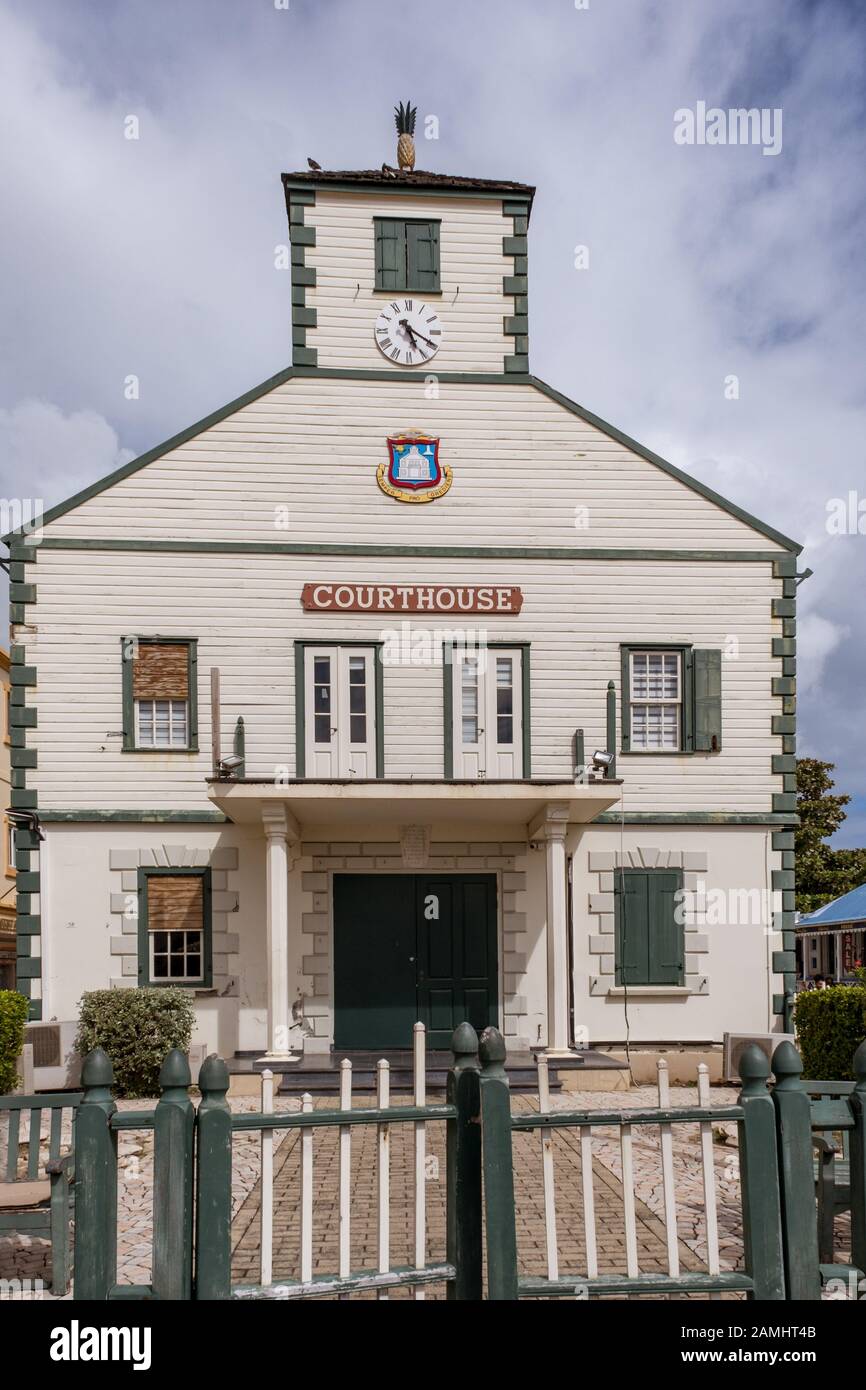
<point x="174" y="707"/>
<point x="343" y="757"/>
<point x="186" y="978"/>
<point x="661" y="702"/>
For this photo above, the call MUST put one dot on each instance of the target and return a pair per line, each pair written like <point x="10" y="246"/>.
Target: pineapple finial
<point x="404" y="118"/>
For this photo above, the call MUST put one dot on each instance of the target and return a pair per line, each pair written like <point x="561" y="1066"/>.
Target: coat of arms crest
<point x="413" y="472"/>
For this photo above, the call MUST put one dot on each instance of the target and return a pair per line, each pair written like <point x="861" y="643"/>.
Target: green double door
<point x="409" y="948"/>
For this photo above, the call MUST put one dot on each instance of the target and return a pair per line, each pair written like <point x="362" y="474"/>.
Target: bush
<point x="830" y="1024"/>
<point x="14" y="1008"/>
<point x="137" y="1027"/>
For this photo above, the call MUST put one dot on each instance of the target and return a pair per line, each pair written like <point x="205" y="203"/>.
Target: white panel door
<point x="504" y="721"/>
<point x="356" y="721"/>
<point x="488" y="714"/>
<point x="340" y="712"/>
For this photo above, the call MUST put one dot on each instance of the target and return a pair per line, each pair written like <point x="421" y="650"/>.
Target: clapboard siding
<point x="471" y="304"/>
<point x="245" y="612"/>
<point x="522" y="465"/>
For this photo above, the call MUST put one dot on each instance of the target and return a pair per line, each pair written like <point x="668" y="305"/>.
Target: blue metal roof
<point x="851" y="907"/>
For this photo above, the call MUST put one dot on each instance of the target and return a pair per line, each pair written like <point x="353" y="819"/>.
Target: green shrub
<point x="14" y="1008"/>
<point x="830" y="1024"/>
<point x="137" y="1027"/>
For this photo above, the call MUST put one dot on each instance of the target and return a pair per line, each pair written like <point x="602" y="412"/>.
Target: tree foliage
<point x="823" y="873"/>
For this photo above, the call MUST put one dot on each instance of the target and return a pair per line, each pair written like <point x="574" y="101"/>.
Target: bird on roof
<point x="391" y="173"/>
<point x="312" y="163"/>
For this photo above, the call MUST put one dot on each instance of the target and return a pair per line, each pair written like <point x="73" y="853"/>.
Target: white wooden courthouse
<point x="432" y="588"/>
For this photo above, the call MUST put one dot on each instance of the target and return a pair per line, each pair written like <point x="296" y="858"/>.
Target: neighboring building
<point x="831" y="941"/>
<point x="402" y="832"/>
<point x="7" y="882"/>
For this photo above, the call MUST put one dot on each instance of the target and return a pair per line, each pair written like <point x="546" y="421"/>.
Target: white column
<point x="551" y="826"/>
<point x="279" y="830"/>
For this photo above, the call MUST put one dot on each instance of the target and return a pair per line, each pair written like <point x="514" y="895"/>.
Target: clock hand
<point x="416" y="332"/>
<point x="404" y="323"/>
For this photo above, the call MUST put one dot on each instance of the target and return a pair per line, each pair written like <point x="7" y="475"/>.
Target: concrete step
<point x="401" y="1081"/>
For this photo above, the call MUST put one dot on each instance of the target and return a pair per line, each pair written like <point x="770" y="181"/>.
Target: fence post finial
<point x="491" y="1050"/>
<point x="214" y="1182"/>
<point x="173" y="1136"/>
<point x="498" y="1168"/>
<point x="464" y="1044"/>
<point x="174" y="1076"/>
<point x="787" y="1067"/>
<point x="95" y="1182"/>
<point x="759" y="1178"/>
<point x="213" y="1082"/>
<point x="463" y="1169"/>
<point x="793" y="1109"/>
<point x="754" y="1070"/>
<point x="97" y="1074"/>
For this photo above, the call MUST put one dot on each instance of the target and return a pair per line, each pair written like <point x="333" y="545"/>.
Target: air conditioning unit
<point x="736" y="1044"/>
<point x="56" y="1064"/>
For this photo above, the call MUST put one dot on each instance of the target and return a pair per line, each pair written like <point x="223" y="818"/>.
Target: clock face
<point x="408" y="332"/>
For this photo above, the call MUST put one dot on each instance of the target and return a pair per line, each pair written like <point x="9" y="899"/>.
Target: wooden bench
<point x="832" y="1163"/>
<point x="30" y="1202"/>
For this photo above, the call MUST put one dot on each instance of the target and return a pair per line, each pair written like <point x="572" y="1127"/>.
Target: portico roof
<point x="379" y="802"/>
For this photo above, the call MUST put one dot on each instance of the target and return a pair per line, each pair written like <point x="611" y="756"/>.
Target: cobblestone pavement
<point x="25" y="1258"/>
<point x="528" y="1196"/>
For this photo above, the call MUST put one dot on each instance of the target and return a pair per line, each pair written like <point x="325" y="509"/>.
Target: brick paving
<point x="22" y="1257"/>
<point x="529" y="1200"/>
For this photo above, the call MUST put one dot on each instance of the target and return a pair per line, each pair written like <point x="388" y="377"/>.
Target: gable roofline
<point x="696" y="486"/>
<point x="510" y="379"/>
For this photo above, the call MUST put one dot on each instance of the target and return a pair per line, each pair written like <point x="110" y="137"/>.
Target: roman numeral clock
<point x="408" y="332"/>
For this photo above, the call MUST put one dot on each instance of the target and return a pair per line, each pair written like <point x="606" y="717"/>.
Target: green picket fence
<point x="776" y="1123"/>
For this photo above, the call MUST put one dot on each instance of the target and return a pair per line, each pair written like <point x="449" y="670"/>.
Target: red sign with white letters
<point x="495" y="600"/>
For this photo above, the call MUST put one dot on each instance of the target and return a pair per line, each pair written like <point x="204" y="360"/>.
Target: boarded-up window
<point x="159" y="694"/>
<point x="176" y="926"/>
<point x="160" y="671"/>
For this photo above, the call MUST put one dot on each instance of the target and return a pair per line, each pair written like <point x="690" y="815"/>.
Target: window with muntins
<point x="175" y="928"/>
<point x="656" y="701"/>
<point x="159" y="694"/>
<point x="671" y="699"/>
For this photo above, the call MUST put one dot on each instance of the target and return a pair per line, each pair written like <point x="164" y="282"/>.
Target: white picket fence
<point x="547" y="1143"/>
<point x="626" y="1154"/>
<point x="383" y="1174"/>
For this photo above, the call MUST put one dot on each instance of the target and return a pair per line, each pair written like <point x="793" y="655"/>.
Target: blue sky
<point x="155" y="257"/>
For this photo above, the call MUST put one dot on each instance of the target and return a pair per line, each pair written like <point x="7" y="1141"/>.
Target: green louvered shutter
<point x="632" y="927"/>
<point x="707" y="714"/>
<point x="666" y="941"/>
<point x="390" y="254"/>
<point x="649" y="939"/>
<point x="422" y="256"/>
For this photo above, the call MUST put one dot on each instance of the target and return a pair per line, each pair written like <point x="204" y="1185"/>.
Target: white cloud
<point x="48" y="455"/>
<point x="155" y="256"/>
<point x="817" y="638"/>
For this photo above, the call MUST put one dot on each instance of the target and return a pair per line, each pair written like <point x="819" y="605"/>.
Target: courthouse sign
<point x="502" y="599"/>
